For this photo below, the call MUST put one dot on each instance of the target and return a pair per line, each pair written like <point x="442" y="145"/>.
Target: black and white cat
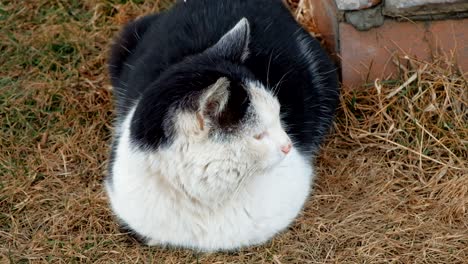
<point x="221" y="106"/>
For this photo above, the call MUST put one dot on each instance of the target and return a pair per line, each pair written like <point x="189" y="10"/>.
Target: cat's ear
<point x="213" y="102"/>
<point x="234" y="45"/>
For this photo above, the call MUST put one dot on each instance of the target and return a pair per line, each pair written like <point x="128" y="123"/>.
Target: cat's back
<point x="192" y="26"/>
<point x="189" y="28"/>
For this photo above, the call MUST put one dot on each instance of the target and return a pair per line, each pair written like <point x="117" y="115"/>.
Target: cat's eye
<point x="260" y="136"/>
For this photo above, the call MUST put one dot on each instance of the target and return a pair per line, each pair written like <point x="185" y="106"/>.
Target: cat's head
<point x="213" y="100"/>
<point x="244" y="132"/>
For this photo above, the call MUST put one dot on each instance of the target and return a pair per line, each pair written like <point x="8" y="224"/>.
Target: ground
<point x="392" y="184"/>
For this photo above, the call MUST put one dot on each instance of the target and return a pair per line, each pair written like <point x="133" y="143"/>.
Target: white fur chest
<point x="152" y="206"/>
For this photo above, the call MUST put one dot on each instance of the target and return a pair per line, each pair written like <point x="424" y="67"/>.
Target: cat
<point x="221" y="107"/>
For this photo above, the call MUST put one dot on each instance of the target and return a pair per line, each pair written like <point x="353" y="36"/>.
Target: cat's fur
<point x="201" y="157"/>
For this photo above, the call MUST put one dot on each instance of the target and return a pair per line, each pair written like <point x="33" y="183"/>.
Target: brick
<point x="326" y="19"/>
<point x="367" y="55"/>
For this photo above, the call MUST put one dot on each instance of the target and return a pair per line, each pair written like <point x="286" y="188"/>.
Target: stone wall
<point x="367" y="36"/>
<point x="365" y="14"/>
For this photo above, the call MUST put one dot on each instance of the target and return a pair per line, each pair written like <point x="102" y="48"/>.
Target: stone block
<point x="409" y="8"/>
<point x="365" y="19"/>
<point x="345" y="5"/>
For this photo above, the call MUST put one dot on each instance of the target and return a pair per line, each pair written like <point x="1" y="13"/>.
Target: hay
<point x="393" y="178"/>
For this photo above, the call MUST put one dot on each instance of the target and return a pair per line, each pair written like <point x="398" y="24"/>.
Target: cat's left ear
<point x="213" y="102"/>
<point x="234" y="45"/>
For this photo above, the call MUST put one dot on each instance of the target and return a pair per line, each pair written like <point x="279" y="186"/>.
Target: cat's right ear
<point x="213" y="102"/>
<point x="234" y="45"/>
<point x="125" y="44"/>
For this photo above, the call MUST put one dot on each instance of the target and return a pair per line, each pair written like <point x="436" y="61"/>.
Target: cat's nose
<point x="286" y="148"/>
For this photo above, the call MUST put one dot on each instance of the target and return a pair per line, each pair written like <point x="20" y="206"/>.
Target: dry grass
<point x="393" y="184"/>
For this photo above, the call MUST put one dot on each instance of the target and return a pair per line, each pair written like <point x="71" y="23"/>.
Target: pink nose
<point x="286" y="148"/>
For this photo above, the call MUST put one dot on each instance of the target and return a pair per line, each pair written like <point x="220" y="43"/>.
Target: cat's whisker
<point x="268" y="69"/>
<point x="247" y="175"/>
<point x="277" y="87"/>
